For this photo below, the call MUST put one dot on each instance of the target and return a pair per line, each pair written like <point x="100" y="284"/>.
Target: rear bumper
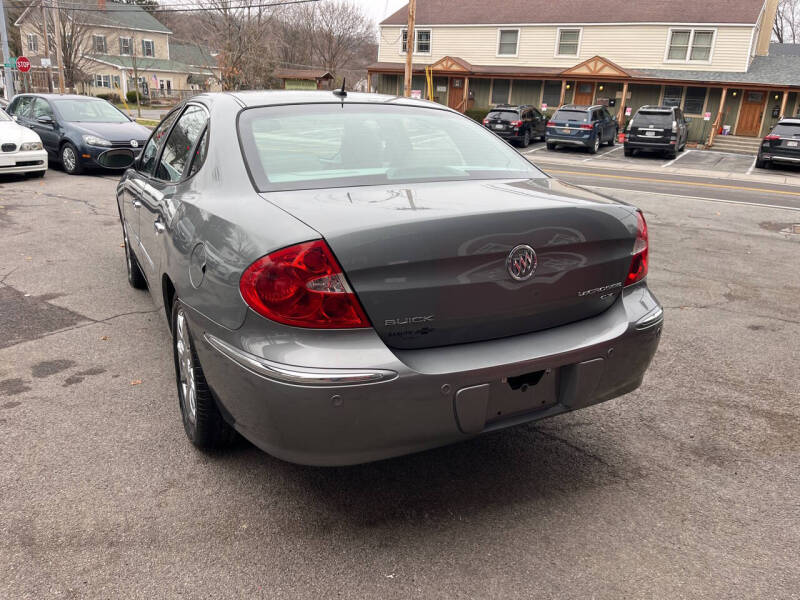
<point x="570" y="141"/>
<point x="23" y="162"/>
<point x="417" y="399"/>
<point x="655" y="146"/>
<point x="780" y="158"/>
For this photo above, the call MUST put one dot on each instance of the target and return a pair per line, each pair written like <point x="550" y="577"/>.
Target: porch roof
<point x="148" y="64"/>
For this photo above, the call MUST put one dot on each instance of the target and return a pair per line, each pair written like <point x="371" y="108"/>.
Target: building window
<point x="500" y="91"/>
<point x="99" y="43"/>
<point x="672" y="95"/>
<point x="569" y="41"/>
<point x="102" y="80"/>
<point x="423" y="41"/>
<point x="33" y="43"/>
<point x="695" y="101"/>
<point x="125" y="46"/>
<point x="508" y="42"/>
<point x="147" y="48"/>
<point x="690" y="45"/>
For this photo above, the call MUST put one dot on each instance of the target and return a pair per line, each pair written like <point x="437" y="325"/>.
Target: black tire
<point x="526" y="140"/>
<point x="628" y="152"/>
<point x="135" y="277"/>
<point x="70" y="159"/>
<point x="672" y="155"/>
<point x="595" y="145"/>
<point x="36" y="174"/>
<point x="762" y="164"/>
<point x="202" y="420"/>
<point x="551" y="146"/>
<point x="613" y="140"/>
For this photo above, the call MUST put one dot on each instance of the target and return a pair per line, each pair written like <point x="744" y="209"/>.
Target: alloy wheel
<point x="188" y="385"/>
<point x="68" y="158"/>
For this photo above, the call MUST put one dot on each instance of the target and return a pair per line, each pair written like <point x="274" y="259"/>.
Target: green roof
<point x="117" y="14"/>
<point x="149" y="64"/>
<point x="191" y="54"/>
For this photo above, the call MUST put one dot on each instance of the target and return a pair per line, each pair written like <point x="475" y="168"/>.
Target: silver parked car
<point x="353" y="277"/>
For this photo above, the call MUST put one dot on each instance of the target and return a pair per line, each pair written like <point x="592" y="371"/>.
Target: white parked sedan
<point x="20" y="149"/>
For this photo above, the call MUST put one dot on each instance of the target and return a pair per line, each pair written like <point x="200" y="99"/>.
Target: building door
<point x="584" y="94"/>
<point x="751" y="113"/>
<point x="456" y="95"/>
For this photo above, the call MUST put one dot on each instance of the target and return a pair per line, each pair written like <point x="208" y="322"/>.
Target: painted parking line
<point x="542" y="147"/>
<point x="600" y="154"/>
<point x="753" y="166"/>
<point x="676" y="159"/>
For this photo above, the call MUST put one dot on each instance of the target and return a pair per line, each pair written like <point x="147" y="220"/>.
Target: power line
<point x="59" y="5"/>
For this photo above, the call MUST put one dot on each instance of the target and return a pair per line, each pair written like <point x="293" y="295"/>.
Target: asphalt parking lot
<point x="686" y="488"/>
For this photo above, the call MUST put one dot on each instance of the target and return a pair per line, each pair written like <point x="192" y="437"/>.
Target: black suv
<point x="519" y="124"/>
<point x="586" y="126"/>
<point x="657" y="128"/>
<point x="782" y="145"/>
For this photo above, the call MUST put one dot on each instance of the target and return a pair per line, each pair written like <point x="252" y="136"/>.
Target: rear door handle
<point x="136" y="204"/>
<point x="159" y="226"/>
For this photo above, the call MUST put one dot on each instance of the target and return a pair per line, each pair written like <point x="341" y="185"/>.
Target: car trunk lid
<point x="429" y="261"/>
<point x="652" y="126"/>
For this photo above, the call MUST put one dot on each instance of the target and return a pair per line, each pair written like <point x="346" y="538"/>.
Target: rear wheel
<point x="672" y="155"/>
<point x="551" y="146"/>
<point x="135" y="277"/>
<point x="70" y="160"/>
<point x="762" y="164"/>
<point x="613" y="140"/>
<point x="526" y="141"/>
<point x="595" y="145"/>
<point x="628" y="152"/>
<point x="202" y="420"/>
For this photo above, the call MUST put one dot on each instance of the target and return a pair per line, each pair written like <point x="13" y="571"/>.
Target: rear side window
<point x="581" y="116"/>
<point x="178" y="149"/>
<point x="200" y="153"/>
<point x="506" y="115"/>
<point x="787" y="130"/>
<point x="659" y="119"/>
<point x="20" y="107"/>
<point x="41" y="109"/>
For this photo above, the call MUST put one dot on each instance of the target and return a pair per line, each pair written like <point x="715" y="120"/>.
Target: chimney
<point x="101" y="4"/>
<point x="765" y="31"/>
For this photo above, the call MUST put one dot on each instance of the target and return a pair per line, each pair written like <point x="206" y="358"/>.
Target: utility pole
<point x="47" y="49"/>
<point x="135" y="76"/>
<point x="9" y="88"/>
<point x="410" y="46"/>
<point x="59" y="51"/>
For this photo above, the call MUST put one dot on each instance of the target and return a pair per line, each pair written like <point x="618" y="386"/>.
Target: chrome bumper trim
<point x="298" y="375"/>
<point x="650" y="319"/>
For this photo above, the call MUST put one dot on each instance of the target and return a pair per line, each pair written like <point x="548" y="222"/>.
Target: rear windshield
<point x="313" y="146"/>
<point x="787" y="130"/>
<point x="645" y="118"/>
<point x="503" y="114"/>
<point x="582" y="116"/>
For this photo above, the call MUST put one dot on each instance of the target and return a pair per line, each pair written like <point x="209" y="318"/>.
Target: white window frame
<point x="516" y="49"/>
<point x="692" y="31"/>
<point x="404" y="32"/>
<point x="35" y="38"/>
<point x="556" y="53"/>
<point x="130" y="45"/>
<point x="152" y="46"/>
<point x="100" y="81"/>
<point x="95" y="37"/>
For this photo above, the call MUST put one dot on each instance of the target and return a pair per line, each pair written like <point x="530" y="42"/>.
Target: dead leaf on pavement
<point x="136" y="382"/>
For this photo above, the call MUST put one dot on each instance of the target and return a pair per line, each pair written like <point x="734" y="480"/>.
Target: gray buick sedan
<point x="351" y="277"/>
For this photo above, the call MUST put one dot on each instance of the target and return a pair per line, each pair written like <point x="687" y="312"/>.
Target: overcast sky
<point x="380" y="9"/>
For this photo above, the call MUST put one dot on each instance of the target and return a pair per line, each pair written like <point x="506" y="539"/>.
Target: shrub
<point x="110" y="97"/>
<point x="131" y="97"/>
<point x="478" y="114"/>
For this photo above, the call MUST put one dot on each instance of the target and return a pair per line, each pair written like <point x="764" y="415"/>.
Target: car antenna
<point x="342" y="93"/>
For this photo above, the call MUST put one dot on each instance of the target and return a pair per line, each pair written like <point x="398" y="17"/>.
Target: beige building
<point x="712" y="58"/>
<point x="118" y="41"/>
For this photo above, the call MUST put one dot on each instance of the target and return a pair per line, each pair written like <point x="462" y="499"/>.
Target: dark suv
<point x="657" y="128"/>
<point x="586" y="126"/>
<point x="519" y="124"/>
<point x="782" y="145"/>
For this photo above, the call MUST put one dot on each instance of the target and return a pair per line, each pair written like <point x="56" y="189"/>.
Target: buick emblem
<point x="521" y="263"/>
<point x="134" y="144"/>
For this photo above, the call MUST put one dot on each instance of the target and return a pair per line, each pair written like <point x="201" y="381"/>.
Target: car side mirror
<point x="45" y="119"/>
<point x="117" y="159"/>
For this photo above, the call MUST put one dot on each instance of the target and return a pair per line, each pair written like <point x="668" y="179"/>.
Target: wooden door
<point x="584" y="94"/>
<point x="751" y="113"/>
<point x="455" y="98"/>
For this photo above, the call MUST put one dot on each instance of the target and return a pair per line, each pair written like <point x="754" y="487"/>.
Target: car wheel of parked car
<point x="762" y="164"/>
<point x="135" y="277"/>
<point x="70" y="160"/>
<point x="526" y="141"/>
<point x="672" y="155"/>
<point x="613" y="140"/>
<point x="202" y="420"/>
<point x="551" y="146"/>
<point x="595" y="145"/>
<point x="628" y="152"/>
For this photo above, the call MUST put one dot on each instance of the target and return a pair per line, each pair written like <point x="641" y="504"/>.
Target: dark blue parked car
<point x="77" y="130"/>
<point x="584" y="126"/>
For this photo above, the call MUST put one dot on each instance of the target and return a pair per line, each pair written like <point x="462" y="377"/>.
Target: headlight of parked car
<point x="93" y="140"/>
<point x="30" y="146"/>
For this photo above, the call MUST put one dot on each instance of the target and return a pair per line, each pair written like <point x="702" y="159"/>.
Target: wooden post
<point x="410" y="47"/>
<point x="783" y="104"/>
<point x="47" y="49"/>
<point x="369" y="82"/>
<point x="621" y="112"/>
<point x="466" y="94"/>
<point x="718" y="120"/>
<point x="59" y="52"/>
<point x="563" y="93"/>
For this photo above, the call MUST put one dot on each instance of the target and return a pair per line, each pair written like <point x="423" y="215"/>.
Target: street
<point x="686" y="488"/>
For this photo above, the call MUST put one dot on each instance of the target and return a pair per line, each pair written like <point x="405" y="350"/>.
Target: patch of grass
<point x="147" y="122"/>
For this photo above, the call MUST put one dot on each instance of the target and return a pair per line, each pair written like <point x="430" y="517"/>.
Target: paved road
<point x="686" y="488"/>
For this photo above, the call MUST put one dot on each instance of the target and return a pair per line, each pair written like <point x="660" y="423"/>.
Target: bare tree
<point x="75" y="39"/>
<point x="786" y="29"/>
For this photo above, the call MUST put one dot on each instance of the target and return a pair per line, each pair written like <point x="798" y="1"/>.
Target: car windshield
<point x="315" y="146"/>
<point x="787" y="129"/>
<point x="653" y="118"/>
<point x="89" y="111"/>
<point x="581" y="116"/>
<point x="503" y="114"/>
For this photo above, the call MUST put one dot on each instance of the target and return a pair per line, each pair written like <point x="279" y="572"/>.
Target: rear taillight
<point x="551" y="123"/>
<point x="486" y="121"/>
<point x="302" y="286"/>
<point x="638" y="270"/>
<point x="516" y="123"/>
<point x="587" y="126"/>
<point x="772" y="138"/>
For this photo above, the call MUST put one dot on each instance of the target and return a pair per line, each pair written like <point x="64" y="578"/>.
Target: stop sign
<point x="23" y="64"/>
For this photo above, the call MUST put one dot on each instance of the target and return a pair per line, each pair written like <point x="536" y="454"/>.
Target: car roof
<point x="56" y="96"/>
<point x="280" y="97"/>
<point x="653" y="107"/>
<point x="581" y="106"/>
<point x="789" y="122"/>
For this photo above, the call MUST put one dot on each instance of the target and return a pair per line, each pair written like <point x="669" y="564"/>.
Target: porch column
<point x="563" y="93"/>
<point x="783" y="103"/>
<point x="466" y="94"/>
<point x="718" y="120"/>
<point x="123" y="81"/>
<point x="621" y="112"/>
<point x="369" y="82"/>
